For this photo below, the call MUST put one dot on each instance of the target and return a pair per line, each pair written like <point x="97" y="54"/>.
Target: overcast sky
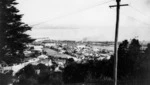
<point x="86" y="19"/>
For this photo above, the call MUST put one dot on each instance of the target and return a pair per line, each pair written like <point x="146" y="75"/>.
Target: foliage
<point x="80" y="72"/>
<point x="38" y="75"/>
<point x="130" y="59"/>
<point x="6" y="79"/>
<point x="145" y="63"/>
<point x="13" y="39"/>
<point x="147" y="51"/>
<point x="124" y="61"/>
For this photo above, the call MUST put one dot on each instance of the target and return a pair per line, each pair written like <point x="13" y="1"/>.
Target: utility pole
<point x="116" y="39"/>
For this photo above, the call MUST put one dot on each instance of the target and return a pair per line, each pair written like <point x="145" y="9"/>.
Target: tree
<point x="134" y="52"/>
<point x="130" y="58"/>
<point x="123" y="48"/>
<point x="134" y="48"/>
<point x="147" y="51"/>
<point x="146" y="60"/>
<point x="29" y="76"/>
<point x="123" y="59"/>
<point x="13" y="39"/>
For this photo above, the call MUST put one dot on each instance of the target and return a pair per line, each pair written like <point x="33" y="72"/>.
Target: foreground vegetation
<point x="133" y="69"/>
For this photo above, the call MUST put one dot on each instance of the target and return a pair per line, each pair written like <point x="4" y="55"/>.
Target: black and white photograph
<point x="74" y="42"/>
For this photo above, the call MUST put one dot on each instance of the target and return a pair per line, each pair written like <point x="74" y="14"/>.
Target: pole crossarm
<point x="119" y="5"/>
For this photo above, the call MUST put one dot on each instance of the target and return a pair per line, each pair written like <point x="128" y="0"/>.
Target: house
<point x="42" y="57"/>
<point x="38" y="48"/>
<point x="50" y="44"/>
<point x="81" y="46"/>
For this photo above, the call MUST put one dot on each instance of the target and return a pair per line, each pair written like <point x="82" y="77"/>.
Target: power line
<point x="136" y="19"/>
<point x="140" y="21"/>
<point x="131" y="1"/>
<point x="134" y="8"/>
<point x="138" y="11"/>
<point x="73" y="13"/>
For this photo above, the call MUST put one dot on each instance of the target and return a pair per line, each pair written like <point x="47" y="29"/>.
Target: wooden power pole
<point x="116" y="39"/>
